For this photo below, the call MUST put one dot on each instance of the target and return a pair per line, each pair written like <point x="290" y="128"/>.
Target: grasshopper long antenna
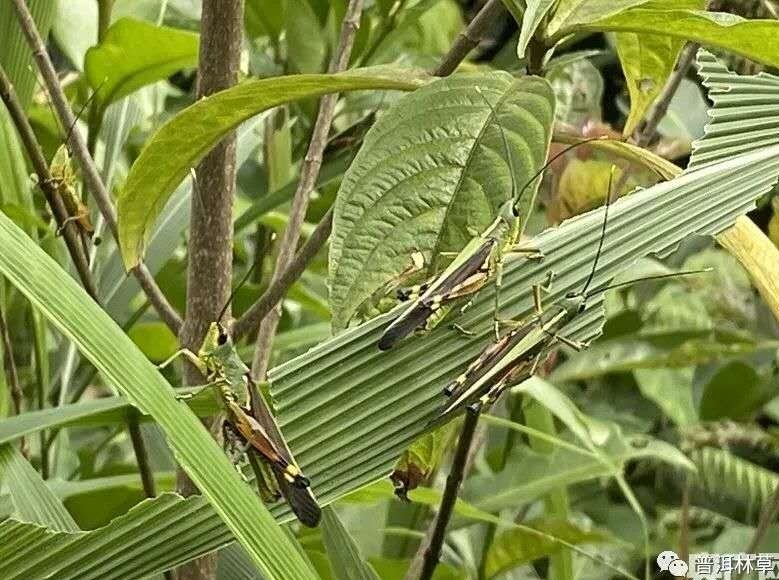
<point x="655" y="277"/>
<point x="554" y="158"/>
<point x="602" y="235"/>
<point x="234" y="291"/>
<point x="89" y="100"/>
<point x="509" y="158"/>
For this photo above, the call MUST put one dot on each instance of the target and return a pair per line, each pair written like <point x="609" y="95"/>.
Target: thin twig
<point x="141" y="456"/>
<point x="309" y="173"/>
<point x="12" y="376"/>
<point x="456" y="473"/>
<point x="35" y="153"/>
<point x="647" y="132"/>
<point x="252" y="317"/>
<point x="470" y="37"/>
<point x="87" y="164"/>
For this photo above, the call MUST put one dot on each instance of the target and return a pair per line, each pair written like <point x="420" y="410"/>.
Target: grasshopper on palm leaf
<point x="516" y="355"/>
<point x="218" y="361"/>
<point x="481" y="259"/>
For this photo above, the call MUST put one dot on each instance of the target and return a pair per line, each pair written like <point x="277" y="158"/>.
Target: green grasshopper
<point x="218" y="361"/>
<point x="516" y="355"/>
<point x="63" y="179"/>
<point x="481" y="258"/>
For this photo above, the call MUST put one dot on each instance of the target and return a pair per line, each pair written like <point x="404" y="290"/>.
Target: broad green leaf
<point x="362" y="407"/>
<point x="15" y="183"/>
<point x="647" y="62"/>
<point x="103" y="343"/>
<point x="184" y="140"/>
<point x="535" y="12"/>
<point x="753" y="39"/>
<point x="656" y="350"/>
<point x="671" y="390"/>
<point x="578" y="89"/>
<point x="736" y="391"/>
<point x="171" y="529"/>
<point x="343" y="552"/>
<point x="33" y="502"/>
<point x="431" y="171"/>
<point x="516" y="547"/>
<point x="134" y="54"/>
<point x="572" y="13"/>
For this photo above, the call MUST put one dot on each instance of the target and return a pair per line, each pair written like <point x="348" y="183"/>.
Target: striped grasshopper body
<point x="516" y="355"/>
<point x="219" y="362"/>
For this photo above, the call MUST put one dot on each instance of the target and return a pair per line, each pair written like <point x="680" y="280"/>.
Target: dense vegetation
<point x="289" y="170"/>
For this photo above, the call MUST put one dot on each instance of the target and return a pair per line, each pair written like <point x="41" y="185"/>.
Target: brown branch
<point x="648" y="131"/>
<point x="309" y="173"/>
<point x="252" y="317"/>
<point x="88" y="168"/>
<point x="470" y="37"/>
<point x="12" y="376"/>
<point x="432" y="553"/>
<point x="141" y="456"/>
<point x="46" y="183"/>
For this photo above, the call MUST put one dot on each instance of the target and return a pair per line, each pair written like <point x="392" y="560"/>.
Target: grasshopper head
<point x="508" y="211"/>
<point x="574" y="303"/>
<point x="215" y="337"/>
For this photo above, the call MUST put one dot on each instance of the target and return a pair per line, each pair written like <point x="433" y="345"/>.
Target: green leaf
<point x="15" y="54"/>
<point x="431" y="171"/>
<point x="33" y="501"/>
<point x="348" y="410"/>
<point x="306" y="40"/>
<point x="535" y="12"/>
<point x="264" y="18"/>
<point x="647" y="62"/>
<point x="753" y="39"/>
<point x="572" y="13"/>
<point x="721" y="401"/>
<point x="735" y="112"/>
<point x="656" y="350"/>
<point x="671" y="390"/>
<point x="134" y="54"/>
<point x="184" y="140"/>
<point x="103" y="343"/>
<point x="422" y="457"/>
<point x="516" y="547"/>
<point x="75" y="29"/>
<point x="578" y="89"/>
<point x="344" y="553"/>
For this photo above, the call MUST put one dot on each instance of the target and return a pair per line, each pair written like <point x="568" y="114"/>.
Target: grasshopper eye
<point x="571" y="294"/>
<point x="222" y="338"/>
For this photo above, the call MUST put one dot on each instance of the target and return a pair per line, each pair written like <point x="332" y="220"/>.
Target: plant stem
<point x="433" y="551"/>
<point x="469" y="38"/>
<point x="210" y="251"/>
<point x="768" y="515"/>
<point x="141" y="456"/>
<point x="278" y="288"/>
<point x="312" y="163"/>
<point x="35" y="153"/>
<point x="87" y="164"/>
<point x="648" y="131"/>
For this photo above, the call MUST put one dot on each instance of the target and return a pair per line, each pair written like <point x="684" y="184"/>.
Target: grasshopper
<point x="481" y="258"/>
<point x="516" y="355"/>
<point x="218" y="361"/>
<point x="63" y="179"/>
